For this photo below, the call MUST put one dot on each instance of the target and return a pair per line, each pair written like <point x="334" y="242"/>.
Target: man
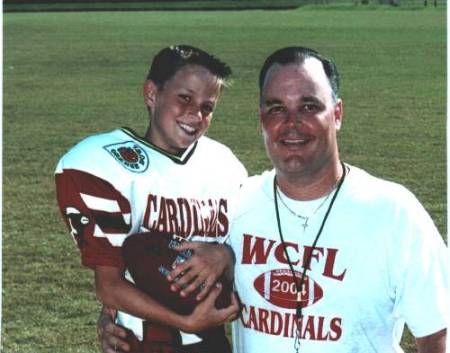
<point x="328" y="257"/>
<point x="172" y="180"/>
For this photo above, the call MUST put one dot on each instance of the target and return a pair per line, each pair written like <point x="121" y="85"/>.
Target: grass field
<point x="68" y="75"/>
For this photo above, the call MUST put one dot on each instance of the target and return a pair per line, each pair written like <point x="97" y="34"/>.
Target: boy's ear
<point x="150" y="91"/>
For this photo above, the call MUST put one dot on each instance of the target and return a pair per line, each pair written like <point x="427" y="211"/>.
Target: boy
<point x="172" y="180"/>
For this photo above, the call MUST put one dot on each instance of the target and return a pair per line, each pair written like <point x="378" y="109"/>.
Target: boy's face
<point x="181" y="111"/>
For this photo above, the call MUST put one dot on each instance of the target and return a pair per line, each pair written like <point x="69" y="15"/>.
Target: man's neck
<point x="310" y="186"/>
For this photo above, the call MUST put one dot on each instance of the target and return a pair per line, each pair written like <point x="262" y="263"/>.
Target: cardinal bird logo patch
<point x="130" y="155"/>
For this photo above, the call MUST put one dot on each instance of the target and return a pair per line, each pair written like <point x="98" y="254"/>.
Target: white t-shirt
<point x="379" y="262"/>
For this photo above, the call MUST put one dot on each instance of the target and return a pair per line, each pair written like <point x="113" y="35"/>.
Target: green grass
<point x="68" y="75"/>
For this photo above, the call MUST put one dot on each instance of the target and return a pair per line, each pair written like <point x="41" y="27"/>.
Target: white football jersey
<point x="115" y="184"/>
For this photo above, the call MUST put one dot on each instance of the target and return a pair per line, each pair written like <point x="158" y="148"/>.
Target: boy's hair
<point x="297" y="55"/>
<point x="169" y="60"/>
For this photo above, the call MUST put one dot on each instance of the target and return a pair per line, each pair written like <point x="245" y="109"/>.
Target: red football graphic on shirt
<point x="278" y="287"/>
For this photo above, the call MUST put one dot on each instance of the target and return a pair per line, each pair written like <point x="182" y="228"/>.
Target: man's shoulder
<point x="256" y="191"/>
<point x="259" y="182"/>
<point x="367" y="187"/>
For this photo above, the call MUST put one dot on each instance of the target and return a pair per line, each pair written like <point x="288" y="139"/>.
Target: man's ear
<point x="338" y="114"/>
<point x="260" y="110"/>
<point x="261" y="118"/>
<point x="260" y="113"/>
<point x="150" y="91"/>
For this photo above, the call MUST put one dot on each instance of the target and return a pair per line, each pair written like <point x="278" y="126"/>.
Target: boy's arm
<point x="115" y="292"/>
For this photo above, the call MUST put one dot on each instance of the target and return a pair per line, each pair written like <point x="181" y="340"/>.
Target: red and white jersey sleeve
<point x="115" y="184"/>
<point x="92" y="208"/>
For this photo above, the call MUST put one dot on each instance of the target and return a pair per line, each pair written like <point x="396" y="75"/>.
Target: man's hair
<point x="297" y="55"/>
<point x="169" y="60"/>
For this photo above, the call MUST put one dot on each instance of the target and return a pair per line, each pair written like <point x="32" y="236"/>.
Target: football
<point x="278" y="287"/>
<point x="149" y="257"/>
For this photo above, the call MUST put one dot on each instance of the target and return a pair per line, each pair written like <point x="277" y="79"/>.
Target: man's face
<point x="182" y="109"/>
<point x="299" y="119"/>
